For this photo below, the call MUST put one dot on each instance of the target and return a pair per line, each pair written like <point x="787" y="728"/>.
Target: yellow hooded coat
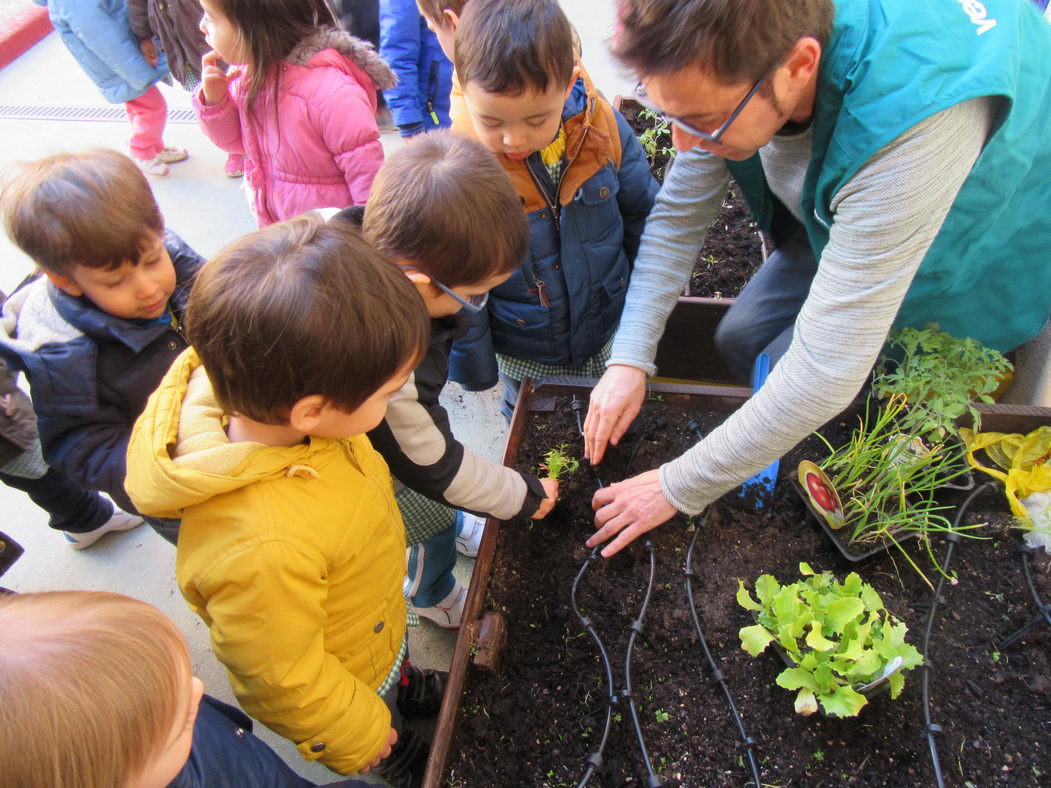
<point x="294" y="558"/>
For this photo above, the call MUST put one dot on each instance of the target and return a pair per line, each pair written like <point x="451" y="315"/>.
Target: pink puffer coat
<point x="319" y="146"/>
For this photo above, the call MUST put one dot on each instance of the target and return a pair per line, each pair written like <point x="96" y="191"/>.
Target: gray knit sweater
<point x="885" y="219"/>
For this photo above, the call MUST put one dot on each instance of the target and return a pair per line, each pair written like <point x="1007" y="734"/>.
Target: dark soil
<point x="536" y="722"/>
<point x="732" y="249"/>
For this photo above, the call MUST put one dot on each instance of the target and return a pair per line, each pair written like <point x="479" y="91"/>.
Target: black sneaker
<point x="407" y="762"/>
<point x="422" y="695"/>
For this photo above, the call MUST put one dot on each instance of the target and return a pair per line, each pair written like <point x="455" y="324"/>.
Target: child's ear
<point x="572" y="81"/>
<point x="305" y="415"/>
<point x="65" y="284"/>
<point x="451" y="19"/>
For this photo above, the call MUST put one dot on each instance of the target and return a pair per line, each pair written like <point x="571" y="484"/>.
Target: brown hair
<point x="434" y="10"/>
<point x="299" y="308"/>
<point x="269" y="30"/>
<point x="91" y="682"/>
<point x="92" y="208"/>
<point x="511" y="46"/>
<point x="737" y="40"/>
<point x="445" y="203"/>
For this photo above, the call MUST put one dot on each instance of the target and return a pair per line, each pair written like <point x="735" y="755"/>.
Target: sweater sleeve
<point x="885" y="219"/>
<point x="417" y="442"/>
<point x="686" y="205"/>
<point x="266" y="606"/>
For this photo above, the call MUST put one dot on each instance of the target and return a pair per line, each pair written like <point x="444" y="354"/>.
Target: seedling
<point x="661" y="715"/>
<point x="838" y="637"/>
<point x="940" y="378"/>
<point x="557" y="462"/>
<point x="886" y="482"/>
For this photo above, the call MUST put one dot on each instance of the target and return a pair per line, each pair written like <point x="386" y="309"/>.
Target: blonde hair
<point x="91" y="685"/>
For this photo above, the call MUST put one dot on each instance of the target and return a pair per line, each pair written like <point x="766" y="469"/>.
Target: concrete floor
<point x="208" y="210"/>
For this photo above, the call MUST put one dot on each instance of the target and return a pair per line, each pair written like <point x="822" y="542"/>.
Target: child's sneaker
<point x="469" y="530"/>
<point x="154" y="167"/>
<point x="235" y="166"/>
<point x="120" y="521"/>
<point x="172" y="155"/>
<point x="447" y="613"/>
<point x="407" y="762"/>
<point x="421" y="691"/>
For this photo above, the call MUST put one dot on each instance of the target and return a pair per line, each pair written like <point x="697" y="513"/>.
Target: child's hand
<point x="149" y="51"/>
<point x="385" y="752"/>
<point x="546" y="505"/>
<point x="214" y="80"/>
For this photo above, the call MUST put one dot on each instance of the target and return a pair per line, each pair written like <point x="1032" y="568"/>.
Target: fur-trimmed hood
<point x="360" y="53"/>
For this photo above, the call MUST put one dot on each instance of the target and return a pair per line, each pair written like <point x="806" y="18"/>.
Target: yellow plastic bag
<point x="1024" y="463"/>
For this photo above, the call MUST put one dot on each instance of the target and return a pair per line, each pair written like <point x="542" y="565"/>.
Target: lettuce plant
<point x="838" y="637"/>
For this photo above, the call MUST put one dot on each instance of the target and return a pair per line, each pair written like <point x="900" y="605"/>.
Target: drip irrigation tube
<point x="953" y="538"/>
<point x="1043" y="609"/>
<point x="652" y="780"/>
<point x="717" y="674"/>
<point x="594" y="760"/>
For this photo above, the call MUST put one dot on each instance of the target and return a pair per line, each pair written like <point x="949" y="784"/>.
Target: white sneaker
<point x="447" y="613"/>
<point x="469" y="530"/>
<point x="154" y="167"/>
<point x="120" y="521"/>
<point x="172" y="155"/>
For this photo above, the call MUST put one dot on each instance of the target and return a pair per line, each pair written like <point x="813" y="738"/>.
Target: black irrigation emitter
<point x="717" y="674"/>
<point x="953" y="538"/>
<point x="1043" y="608"/>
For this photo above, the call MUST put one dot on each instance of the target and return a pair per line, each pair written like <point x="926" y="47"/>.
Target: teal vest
<point x="888" y="65"/>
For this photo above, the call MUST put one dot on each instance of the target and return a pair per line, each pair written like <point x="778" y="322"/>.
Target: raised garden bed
<point x="536" y="720"/>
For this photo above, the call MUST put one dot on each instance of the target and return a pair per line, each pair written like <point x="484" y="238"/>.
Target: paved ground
<point x="208" y="210"/>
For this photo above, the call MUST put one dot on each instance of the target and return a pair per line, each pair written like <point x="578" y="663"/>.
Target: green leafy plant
<point x="887" y="481"/>
<point x="838" y="636"/>
<point x="661" y="715"/>
<point x="940" y="377"/>
<point x="656" y="137"/>
<point x="557" y="462"/>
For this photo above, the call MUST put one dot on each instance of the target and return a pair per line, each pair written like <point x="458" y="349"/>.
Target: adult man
<point x="897" y="152"/>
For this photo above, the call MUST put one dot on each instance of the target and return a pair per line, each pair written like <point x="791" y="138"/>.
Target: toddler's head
<point x="442" y="17"/>
<point x="304" y="323"/>
<point x="447" y="212"/>
<point x="260" y="34"/>
<point x="97" y="690"/>
<point x="517" y="63"/>
<point x="90" y="221"/>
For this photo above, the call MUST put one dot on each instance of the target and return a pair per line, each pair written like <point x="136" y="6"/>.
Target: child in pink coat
<point x="301" y="107"/>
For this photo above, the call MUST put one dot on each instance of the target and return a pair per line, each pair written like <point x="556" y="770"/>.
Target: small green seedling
<point x="838" y="636"/>
<point x="661" y="715"/>
<point x="557" y="462"/>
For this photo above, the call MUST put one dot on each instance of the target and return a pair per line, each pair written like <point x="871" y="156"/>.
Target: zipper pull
<point x="434" y="115"/>
<point x="540" y="291"/>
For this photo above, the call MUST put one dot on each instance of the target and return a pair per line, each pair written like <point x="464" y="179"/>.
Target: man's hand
<point x="546" y="505"/>
<point x="213" y="79"/>
<point x="629" y="508"/>
<point x="615" y="402"/>
<point x="384" y="753"/>
<point x="149" y="51"/>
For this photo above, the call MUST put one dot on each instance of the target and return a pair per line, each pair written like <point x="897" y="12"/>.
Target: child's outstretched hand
<point x="214" y="80"/>
<point x="385" y="752"/>
<point x="546" y="505"/>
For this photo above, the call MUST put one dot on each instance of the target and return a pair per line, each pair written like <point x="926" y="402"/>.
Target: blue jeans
<point x="70" y="508"/>
<point x="430" y="568"/>
<point x="763" y="317"/>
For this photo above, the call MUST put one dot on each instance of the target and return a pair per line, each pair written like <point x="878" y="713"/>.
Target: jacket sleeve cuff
<point x="332" y="745"/>
<point x="534" y="495"/>
<point x="209" y="112"/>
<point x="677" y="491"/>
<point x="649" y="369"/>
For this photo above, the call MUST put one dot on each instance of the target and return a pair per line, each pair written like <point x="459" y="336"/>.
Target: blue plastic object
<point x="758" y="491"/>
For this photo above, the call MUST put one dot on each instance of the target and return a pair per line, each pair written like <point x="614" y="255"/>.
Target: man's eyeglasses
<point x="643" y="98"/>
<point x="472" y="304"/>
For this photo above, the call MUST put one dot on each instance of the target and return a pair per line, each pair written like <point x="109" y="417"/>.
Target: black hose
<point x="1043" y="614"/>
<point x="953" y="538"/>
<point x="652" y="780"/>
<point x="717" y="674"/>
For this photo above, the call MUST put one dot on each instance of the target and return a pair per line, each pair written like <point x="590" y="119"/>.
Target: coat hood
<point x="339" y="49"/>
<point x="180" y="456"/>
